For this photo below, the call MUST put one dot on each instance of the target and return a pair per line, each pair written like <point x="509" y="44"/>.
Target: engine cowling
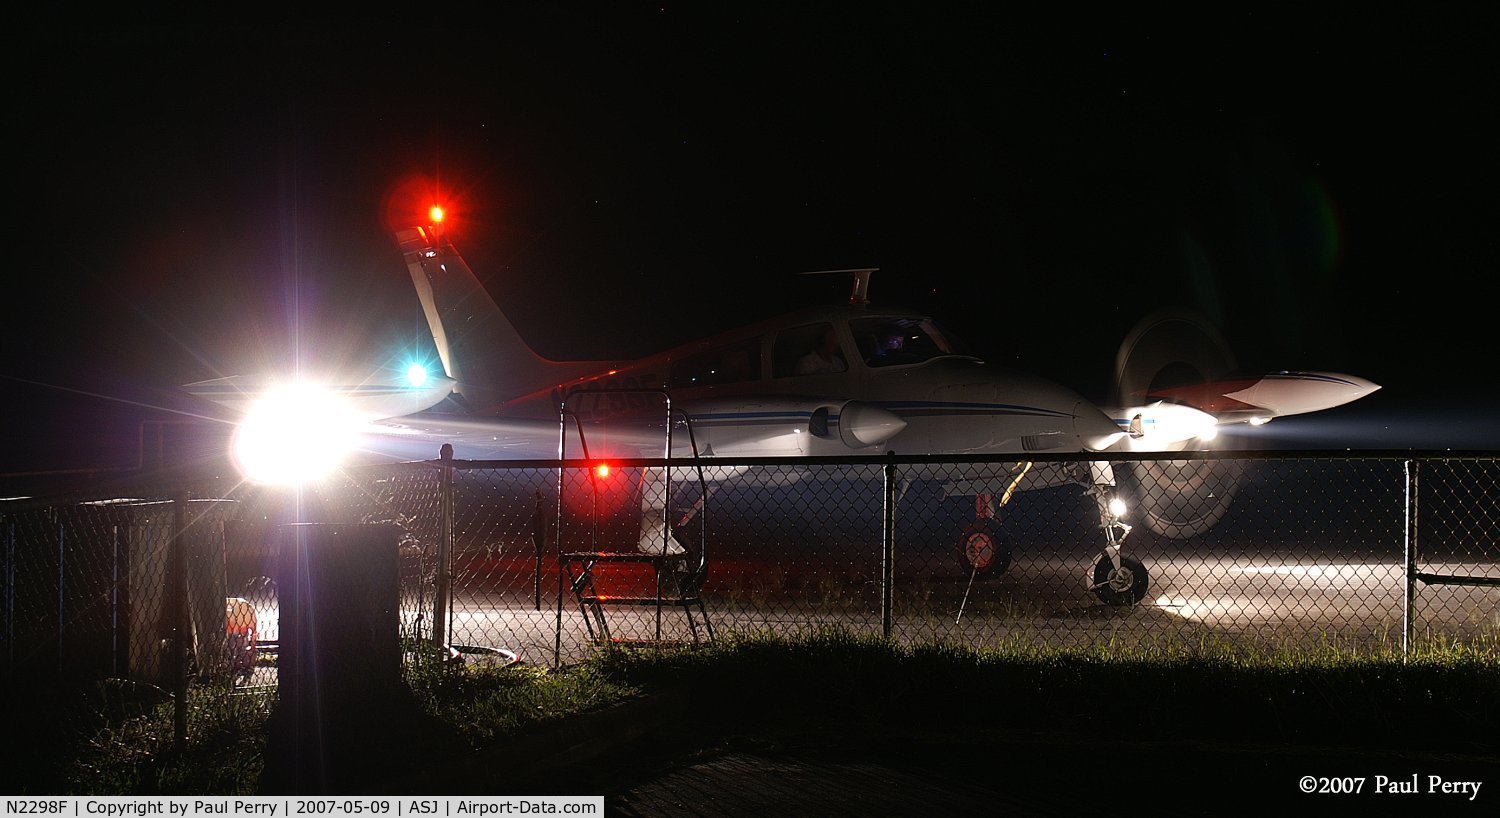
<point x="1173" y="348"/>
<point x="790" y="426"/>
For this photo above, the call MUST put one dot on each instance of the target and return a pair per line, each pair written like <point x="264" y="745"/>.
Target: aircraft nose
<point x="1361" y="386"/>
<point x="1353" y="388"/>
<point x="1096" y="431"/>
<point x="1293" y="393"/>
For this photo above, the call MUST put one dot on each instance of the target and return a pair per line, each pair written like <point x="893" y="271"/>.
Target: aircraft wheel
<point x="983" y="548"/>
<point x="1123" y="586"/>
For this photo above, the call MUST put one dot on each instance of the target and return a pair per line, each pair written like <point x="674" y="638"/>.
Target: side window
<point x="735" y="363"/>
<point x="901" y="340"/>
<point x="807" y="350"/>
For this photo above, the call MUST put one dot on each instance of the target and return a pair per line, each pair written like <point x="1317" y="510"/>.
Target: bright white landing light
<point x="294" y="434"/>
<point x="416" y="375"/>
<point x="1163" y="424"/>
<point x="1117" y="507"/>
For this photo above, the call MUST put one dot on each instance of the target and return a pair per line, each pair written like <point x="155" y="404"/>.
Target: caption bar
<point x="85" y="806"/>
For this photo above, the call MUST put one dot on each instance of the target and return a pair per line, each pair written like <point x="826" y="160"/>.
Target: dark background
<point x="194" y="201"/>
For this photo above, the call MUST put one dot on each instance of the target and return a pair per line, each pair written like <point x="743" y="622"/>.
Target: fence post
<point x="179" y="631"/>
<point x="557" y="537"/>
<point x="538" y="542"/>
<point x="442" y="601"/>
<point x="1408" y="625"/>
<point x="888" y="547"/>
<point x="10" y="595"/>
<point x="62" y="589"/>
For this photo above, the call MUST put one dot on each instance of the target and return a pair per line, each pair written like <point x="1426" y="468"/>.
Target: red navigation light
<point x="602" y="470"/>
<point x="436" y="214"/>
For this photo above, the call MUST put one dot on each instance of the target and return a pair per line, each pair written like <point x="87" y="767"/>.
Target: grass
<point x="484" y="704"/>
<point x="1446" y="699"/>
<point x="116" y="737"/>
<point x="223" y="753"/>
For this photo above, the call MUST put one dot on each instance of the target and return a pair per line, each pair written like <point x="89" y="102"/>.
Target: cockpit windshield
<point x="894" y="341"/>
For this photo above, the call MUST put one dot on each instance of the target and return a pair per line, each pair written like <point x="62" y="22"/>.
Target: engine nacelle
<point x="860" y="424"/>
<point x="1173" y="348"/>
<point x="790" y="426"/>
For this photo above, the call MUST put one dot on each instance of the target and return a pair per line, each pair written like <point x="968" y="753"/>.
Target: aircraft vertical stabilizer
<point x="479" y="347"/>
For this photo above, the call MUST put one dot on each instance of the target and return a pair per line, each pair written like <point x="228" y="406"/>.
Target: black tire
<point x="1128" y="586"/>
<point x="984" y="549"/>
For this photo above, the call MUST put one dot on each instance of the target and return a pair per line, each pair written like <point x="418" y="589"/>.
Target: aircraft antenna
<point x="861" y="275"/>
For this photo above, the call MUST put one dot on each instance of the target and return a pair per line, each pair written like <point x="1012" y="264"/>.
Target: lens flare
<point x="293" y="435"/>
<point x="416" y="375"/>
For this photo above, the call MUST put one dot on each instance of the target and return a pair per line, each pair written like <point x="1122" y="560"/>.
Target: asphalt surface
<point x="1038" y="776"/>
<point x="1247" y="601"/>
<point x="647" y="759"/>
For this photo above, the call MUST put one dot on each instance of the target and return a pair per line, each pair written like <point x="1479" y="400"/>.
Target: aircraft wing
<point x="1166" y="417"/>
<point x="1273" y="395"/>
<point x="421" y="437"/>
<point x="765" y="426"/>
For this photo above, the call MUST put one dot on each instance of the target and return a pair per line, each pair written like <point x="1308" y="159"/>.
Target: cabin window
<point x="808" y="350"/>
<point x="902" y="340"/>
<point x="734" y="363"/>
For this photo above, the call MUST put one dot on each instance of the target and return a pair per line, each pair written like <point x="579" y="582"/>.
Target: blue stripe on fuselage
<point x="1309" y="376"/>
<point x="900" y="408"/>
<point x="914" y="408"/>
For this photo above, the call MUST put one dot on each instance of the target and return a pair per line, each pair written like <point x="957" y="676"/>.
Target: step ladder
<point x="672" y="554"/>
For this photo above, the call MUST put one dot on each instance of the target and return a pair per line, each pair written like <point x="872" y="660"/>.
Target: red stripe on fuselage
<point x="1208" y="397"/>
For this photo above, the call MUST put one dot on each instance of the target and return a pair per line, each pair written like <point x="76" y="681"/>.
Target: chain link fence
<point x="165" y="588"/>
<point x="1247" y="553"/>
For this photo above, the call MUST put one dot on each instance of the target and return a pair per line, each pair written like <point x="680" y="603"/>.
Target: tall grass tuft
<point x="485" y="703"/>
<point x="132" y="750"/>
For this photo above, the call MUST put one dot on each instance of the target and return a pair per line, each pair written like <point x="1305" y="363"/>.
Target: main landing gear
<point x="984" y="547"/>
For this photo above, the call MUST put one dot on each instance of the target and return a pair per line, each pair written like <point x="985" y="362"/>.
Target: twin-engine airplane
<point x="854" y="379"/>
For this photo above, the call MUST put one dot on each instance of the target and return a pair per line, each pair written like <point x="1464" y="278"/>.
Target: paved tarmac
<point x="1193" y="600"/>
<point x="646" y="760"/>
<point x="1042" y="776"/>
<point x="738" y="783"/>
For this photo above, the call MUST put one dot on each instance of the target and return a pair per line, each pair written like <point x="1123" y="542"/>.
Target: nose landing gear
<point x="1122" y="584"/>
<point x="1117" y="579"/>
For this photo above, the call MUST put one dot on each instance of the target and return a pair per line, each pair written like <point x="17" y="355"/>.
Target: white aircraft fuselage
<point x="746" y="396"/>
<point x="847" y="379"/>
<point x="852" y="379"/>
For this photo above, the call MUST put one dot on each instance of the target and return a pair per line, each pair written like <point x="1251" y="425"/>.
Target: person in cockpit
<point x="825" y="355"/>
<point x="887" y="347"/>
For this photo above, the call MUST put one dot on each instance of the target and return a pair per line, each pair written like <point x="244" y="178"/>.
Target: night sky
<point x="200" y="201"/>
